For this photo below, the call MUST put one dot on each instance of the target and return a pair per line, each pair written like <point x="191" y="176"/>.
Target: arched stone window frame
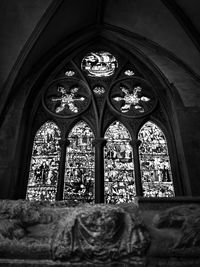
<point x="119" y="182"/>
<point x="162" y="130"/>
<point x="101" y="122"/>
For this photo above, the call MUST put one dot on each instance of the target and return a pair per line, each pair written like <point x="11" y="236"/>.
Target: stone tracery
<point x="67" y="98"/>
<point x="131" y="99"/>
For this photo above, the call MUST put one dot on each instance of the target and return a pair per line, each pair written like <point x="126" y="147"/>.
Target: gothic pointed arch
<point x="100" y="85"/>
<point x="119" y="166"/>
<point x="155" y="163"/>
<point x="79" y="165"/>
<point x="44" y="166"/>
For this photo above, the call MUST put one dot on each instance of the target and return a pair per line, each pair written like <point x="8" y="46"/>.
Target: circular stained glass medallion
<point x="99" y="90"/>
<point x="67" y="97"/>
<point x="129" y="73"/>
<point x="69" y="73"/>
<point x="99" y="64"/>
<point x="132" y="98"/>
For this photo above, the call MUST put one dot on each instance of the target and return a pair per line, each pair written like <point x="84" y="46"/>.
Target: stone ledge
<point x="144" y="233"/>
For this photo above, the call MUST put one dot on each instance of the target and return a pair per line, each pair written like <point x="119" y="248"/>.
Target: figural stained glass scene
<point x="154" y="162"/>
<point x="118" y="165"/>
<point x="43" y="173"/>
<point x="79" y="167"/>
<point x="68" y="101"/>
<point x="99" y="64"/>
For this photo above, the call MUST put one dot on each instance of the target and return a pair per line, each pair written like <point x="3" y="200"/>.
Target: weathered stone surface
<point x="101" y="233"/>
<point x="186" y="219"/>
<point x="26" y="229"/>
<point x="54" y="234"/>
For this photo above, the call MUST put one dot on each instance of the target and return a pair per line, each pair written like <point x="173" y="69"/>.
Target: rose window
<point x="99" y="64"/>
<point x="132" y="97"/>
<point x="67" y="98"/>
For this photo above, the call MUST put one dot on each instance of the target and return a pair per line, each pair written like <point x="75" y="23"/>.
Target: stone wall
<point x="144" y="233"/>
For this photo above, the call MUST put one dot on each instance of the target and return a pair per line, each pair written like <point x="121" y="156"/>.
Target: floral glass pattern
<point x="132" y="97"/>
<point x="69" y="73"/>
<point x="154" y="162"/>
<point x="129" y="72"/>
<point x="99" y="64"/>
<point x="43" y="174"/>
<point x="79" y="167"/>
<point x="99" y="90"/>
<point x="119" y="167"/>
<point x="68" y="98"/>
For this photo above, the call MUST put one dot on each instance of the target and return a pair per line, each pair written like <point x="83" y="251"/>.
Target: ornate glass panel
<point x="129" y="72"/>
<point x="43" y="174"/>
<point x="132" y="97"/>
<point x="79" y="168"/>
<point x="99" y="90"/>
<point x="154" y="162"/>
<point x="69" y="73"/>
<point x="68" y="98"/>
<point x="119" y="167"/>
<point x="99" y="64"/>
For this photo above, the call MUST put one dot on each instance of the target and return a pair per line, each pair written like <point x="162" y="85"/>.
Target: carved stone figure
<point x="183" y="218"/>
<point x="42" y="230"/>
<point x="99" y="232"/>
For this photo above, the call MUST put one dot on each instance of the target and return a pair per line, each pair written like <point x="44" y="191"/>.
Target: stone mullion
<point x="99" y="144"/>
<point x="60" y="187"/>
<point x="138" y="181"/>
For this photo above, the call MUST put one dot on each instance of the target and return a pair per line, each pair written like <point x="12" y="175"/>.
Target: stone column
<point x="138" y="182"/>
<point x="99" y="144"/>
<point x="64" y="143"/>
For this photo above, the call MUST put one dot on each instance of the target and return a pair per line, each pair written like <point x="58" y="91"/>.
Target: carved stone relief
<point x="53" y="231"/>
<point x="98" y="235"/>
<point x="186" y="219"/>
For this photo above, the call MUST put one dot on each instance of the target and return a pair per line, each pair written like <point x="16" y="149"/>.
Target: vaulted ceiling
<point x="165" y="31"/>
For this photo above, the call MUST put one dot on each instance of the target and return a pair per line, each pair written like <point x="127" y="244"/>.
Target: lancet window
<point x="154" y="162"/>
<point x="119" y="165"/>
<point x="79" y="167"/>
<point x="44" y="167"/>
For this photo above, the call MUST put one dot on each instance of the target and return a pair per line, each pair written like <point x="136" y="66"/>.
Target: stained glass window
<point x="99" y="90"/>
<point x="68" y="98"/>
<point x="99" y="64"/>
<point x="43" y="174"/>
<point x="79" y="167"/>
<point x="129" y="73"/>
<point x="99" y="85"/>
<point x="154" y="162"/>
<point x="69" y="73"/>
<point x="132" y="97"/>
<point x="119" y="167"/>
